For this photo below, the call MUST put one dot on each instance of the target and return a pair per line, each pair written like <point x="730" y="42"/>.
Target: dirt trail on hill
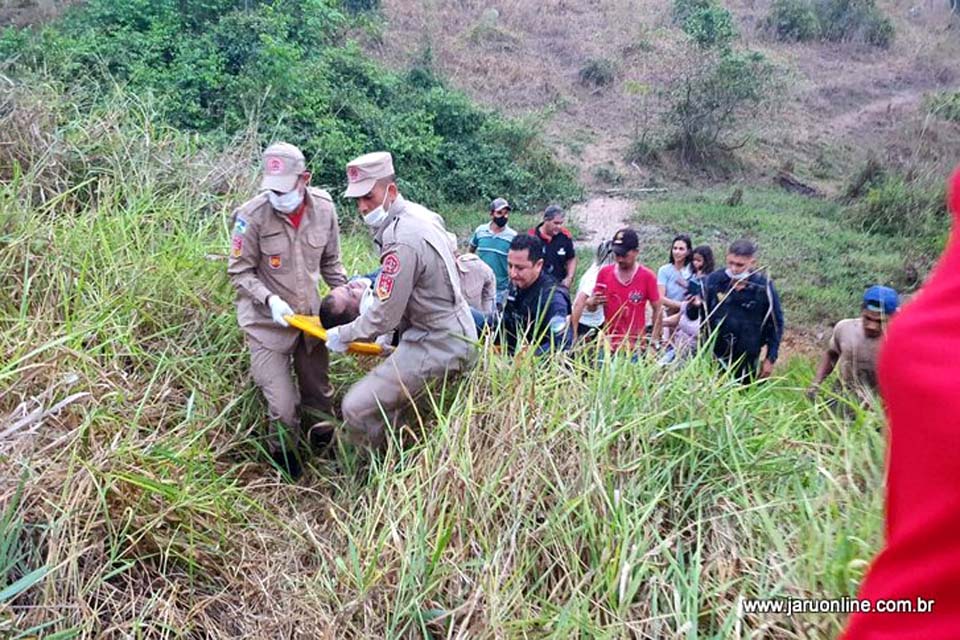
<point x="600" y="217"/>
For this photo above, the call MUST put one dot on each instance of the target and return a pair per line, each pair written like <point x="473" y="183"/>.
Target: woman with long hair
<point x="672" y="278"/>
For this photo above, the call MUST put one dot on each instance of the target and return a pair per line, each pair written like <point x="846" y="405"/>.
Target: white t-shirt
<point x="587" y="282"/>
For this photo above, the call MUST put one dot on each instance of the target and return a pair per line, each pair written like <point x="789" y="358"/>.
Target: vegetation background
<point x="542" y="499"/>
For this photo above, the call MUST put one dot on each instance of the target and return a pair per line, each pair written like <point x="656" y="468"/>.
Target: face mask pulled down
<point x="739" y="277"/>
<point x="287" y="202"/>
<point x="378" y="215"/>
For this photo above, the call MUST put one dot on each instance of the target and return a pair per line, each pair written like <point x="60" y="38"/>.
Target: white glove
<point x="278" y="309"/>
<point x="334" y="343"/>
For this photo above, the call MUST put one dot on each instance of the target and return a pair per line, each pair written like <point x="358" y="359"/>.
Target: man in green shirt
<point x="491" y="241"/>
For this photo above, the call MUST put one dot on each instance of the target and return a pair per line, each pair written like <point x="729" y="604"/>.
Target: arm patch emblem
<point x="236" y="246"/>
<point x="384" y="287"/>
<point x="391" y="264"/>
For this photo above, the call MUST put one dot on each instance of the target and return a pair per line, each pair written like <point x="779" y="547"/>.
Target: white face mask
<point x="287" y="202"/>
<point x="378" y="215"/>
<point x="739" y="277"/>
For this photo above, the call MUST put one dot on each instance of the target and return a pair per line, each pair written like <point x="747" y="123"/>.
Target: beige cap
<point x="282" y="165"/>
<point x="363" y="172"/>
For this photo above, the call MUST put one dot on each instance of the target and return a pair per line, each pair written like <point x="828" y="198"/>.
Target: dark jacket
<point x="537" y="315"/>
<point x="744" y="320"/>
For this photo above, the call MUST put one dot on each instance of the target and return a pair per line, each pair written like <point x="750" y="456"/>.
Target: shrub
<point x="598" y="72"/>
<point x="858" y="20"/>
<point x="707" y="99"/>
<point x="945" y="105"/>
<point x="870" y="175"/>
<point x="607" y="174"/>
<point x="711" y="26"/>
<point x="641" y="150"/>
<point x="896" y="207"/>
<point x="683" y="9"/>
<point x="793" y="20"/>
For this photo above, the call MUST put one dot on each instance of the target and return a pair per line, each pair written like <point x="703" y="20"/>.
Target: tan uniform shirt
<point x="477" y="281"/>
<point x="857" y="355"/>
<point x="418" y="289"/>
<point x="269" y="256"/>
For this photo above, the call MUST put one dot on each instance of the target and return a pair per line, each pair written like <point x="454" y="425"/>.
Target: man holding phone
<point x="623" y="289"/>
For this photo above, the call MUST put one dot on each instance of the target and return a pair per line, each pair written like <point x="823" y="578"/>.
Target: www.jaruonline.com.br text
<point x="791" y="606"/>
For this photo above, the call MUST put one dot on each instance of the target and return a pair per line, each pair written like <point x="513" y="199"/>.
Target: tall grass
<point x="533" y="499"/>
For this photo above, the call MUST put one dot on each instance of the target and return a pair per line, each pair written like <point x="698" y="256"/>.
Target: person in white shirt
<point x="586" y="323"/>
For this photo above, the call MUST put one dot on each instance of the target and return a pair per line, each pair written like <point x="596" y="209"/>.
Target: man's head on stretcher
<point x="343" y="304"/>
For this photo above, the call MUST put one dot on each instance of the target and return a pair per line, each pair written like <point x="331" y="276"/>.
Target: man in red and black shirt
<point x="559" y="257"/>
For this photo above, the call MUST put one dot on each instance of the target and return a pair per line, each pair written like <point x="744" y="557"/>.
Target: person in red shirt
<point x="919" y="378"/>
<point x="624" y="288"/>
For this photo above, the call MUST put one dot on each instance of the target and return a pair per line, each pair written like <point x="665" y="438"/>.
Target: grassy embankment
<point x="546" y="500"/>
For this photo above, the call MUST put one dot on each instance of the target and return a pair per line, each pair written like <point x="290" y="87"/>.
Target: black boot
<point x="288" y="463"/>
<point x="321" y="435"/>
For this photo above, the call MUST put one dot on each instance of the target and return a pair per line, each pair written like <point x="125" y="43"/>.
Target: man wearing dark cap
<point x="416" y="292"/>
<point x="855" y="344"/>
<point x="742" y="307"/>
<point x="284" y="240"/>
<point x="491" y="241"/>
<point x="623" y="290"/>
<point x="559" y="256"/>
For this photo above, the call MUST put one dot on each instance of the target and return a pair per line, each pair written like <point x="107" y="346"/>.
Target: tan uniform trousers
<point x="379" y="399"/>
<point x="286" y="400"/>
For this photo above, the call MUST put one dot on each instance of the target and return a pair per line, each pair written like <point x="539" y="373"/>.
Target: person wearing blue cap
<point x="855" y="343"/>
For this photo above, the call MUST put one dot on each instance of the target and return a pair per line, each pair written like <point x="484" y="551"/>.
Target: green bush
<point x="857" y="20"/>
<point x="683" y="9"/>
<point x="945" y="105"/>
<point x="711" y="26"/>
<point x="896" y="207"/>
<point x="216" y="66"/>
<point x="708" y="98"/>
<point x="793" y="20"/>
<point x="598" y="72"/>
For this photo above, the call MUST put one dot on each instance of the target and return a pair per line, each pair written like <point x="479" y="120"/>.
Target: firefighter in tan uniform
<point x="417" y="293"/>
<point x="284" y="240"/>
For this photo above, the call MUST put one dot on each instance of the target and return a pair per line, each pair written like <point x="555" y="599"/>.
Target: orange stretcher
<point x="311" y="325"/>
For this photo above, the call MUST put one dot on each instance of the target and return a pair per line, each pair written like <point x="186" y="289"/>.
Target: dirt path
<point x="884" y="111"/>
<point x="600" y="217"/>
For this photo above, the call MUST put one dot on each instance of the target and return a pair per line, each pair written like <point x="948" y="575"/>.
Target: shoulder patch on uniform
<point x="384" y="286"/>
<point x="240" y="226"/>
<point x="391" y="264"/>
<point x="236" y="246"/>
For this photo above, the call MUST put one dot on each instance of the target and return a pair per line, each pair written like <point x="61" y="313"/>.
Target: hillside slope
<point x="842" y="103"/>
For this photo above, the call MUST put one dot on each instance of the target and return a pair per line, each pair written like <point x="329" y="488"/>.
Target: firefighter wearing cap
<point x="417" y="293"/>
<point x="284" y="240"/>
